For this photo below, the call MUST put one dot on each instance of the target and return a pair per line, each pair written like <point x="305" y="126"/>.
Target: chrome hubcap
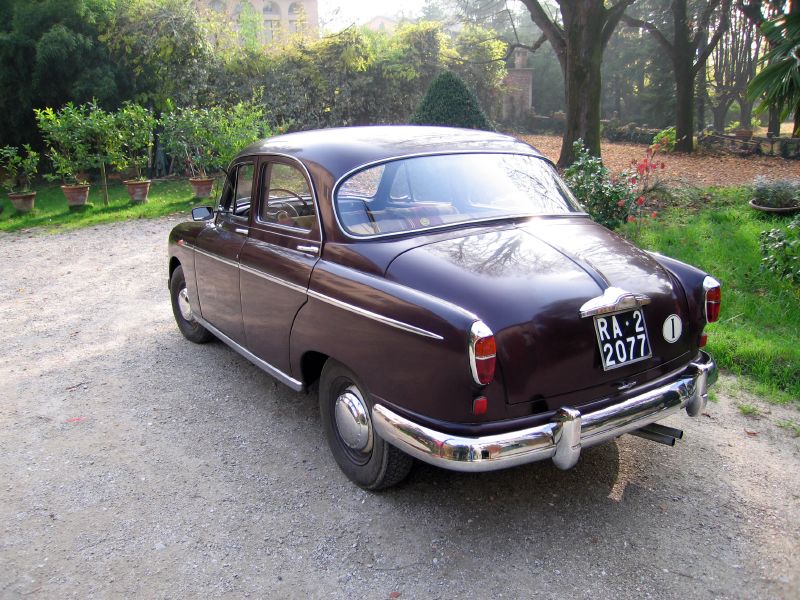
<point x="352" y="420"/>
<point x="183" y="304"/>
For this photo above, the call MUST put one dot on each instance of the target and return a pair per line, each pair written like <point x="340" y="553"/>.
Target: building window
<point x="271" y="9"/>
<point x="217" y="6"/>
<point x="272" y="28"/>
<point x="295" y="8"/>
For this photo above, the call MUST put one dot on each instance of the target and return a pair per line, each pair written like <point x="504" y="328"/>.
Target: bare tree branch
<point x="613" y="16"/>
<point x="721" y="29"/>
<point x="705" y="18"/>
<point x="651" y="27"/>
<point x="553" y="31"/>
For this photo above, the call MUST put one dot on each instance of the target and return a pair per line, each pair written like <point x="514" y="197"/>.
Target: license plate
<point x="622" y="338"/>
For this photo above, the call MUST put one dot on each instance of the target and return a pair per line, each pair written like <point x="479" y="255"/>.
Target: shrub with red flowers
<point x="646" y="184"/>
<point x="612" y="200"/>
<point x="604" y="196"/>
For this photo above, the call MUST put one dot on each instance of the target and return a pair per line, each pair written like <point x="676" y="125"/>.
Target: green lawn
<point x="758" y="334"/>
<point x="51" y="211"/>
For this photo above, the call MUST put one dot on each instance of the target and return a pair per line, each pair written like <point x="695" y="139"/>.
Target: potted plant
<point x="18" y="173"/>
<point x="776" y="196"/>
<point x="187" y="140"/>
<point x="207" y="139"/>
<point x="67" y="149"/>
<point x="135" y="124"/>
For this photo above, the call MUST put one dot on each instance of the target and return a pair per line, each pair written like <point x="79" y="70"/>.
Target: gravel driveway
<point x="136" y="464"/>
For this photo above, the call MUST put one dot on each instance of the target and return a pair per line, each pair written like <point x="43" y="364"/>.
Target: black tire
<point x="378" y="467"/>
<point x="191" y="329"/>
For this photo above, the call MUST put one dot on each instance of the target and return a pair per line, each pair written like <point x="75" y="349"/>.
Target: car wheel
<point x="345" y="409"/>
<point x="190" y="328"/>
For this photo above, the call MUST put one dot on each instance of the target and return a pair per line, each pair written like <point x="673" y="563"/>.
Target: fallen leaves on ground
<point x="689" y="169"/>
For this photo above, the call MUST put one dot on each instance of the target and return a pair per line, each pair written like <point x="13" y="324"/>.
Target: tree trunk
<point x="796" y="128"/>
<point x="583" y="26"/>
<point x="701" y="94"/>
<point x="774" y="126"/>
<point x="700" y="102"/>
<point x="682" y="62"/>
<point x="745" y="113"/>
<point x="720" y="112"/>
<point x="684" y="109"/>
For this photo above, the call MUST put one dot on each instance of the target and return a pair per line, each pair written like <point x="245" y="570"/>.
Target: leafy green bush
<point x="67" y="147"/>
<point x="450" y="102"/>
<point x="206" y="139"/>
<point x="781" y="250"/>
<point x="665" y="139"/>
<point x="776" y="193"/>
<point x="606" y="198"/>
<point x="18" y="170"/>
<point x="135" y="125"/>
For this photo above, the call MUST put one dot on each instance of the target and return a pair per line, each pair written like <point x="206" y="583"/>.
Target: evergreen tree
<point x="450" y="102"/>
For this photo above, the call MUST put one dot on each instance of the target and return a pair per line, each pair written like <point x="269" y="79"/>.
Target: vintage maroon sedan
<point x="449" y="295"/>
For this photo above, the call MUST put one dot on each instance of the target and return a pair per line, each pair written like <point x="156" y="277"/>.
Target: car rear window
<point x="428" y="191"/>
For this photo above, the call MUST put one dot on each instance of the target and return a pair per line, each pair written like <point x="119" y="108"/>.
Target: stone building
<point x="383" y="24"/>
<point x="518" y="100"/>
<point x="279" y="18"/>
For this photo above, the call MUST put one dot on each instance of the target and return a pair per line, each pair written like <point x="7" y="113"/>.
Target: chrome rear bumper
<point x="561" y="439"/>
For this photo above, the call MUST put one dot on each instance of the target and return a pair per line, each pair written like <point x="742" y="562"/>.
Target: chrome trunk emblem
<point x="613" y="300"/>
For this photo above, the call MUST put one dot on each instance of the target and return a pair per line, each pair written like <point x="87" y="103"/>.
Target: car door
<point x="277" y="259"/>
<point x="218" y="249"/>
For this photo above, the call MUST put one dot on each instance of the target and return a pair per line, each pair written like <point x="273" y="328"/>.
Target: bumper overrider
<point x="562" y="438"/>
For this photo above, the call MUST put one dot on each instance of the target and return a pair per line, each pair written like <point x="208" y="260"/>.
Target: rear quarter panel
<point x="412" y="372"/>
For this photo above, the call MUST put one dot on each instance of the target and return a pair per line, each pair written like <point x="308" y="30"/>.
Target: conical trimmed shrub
<point x="450" y="102"/>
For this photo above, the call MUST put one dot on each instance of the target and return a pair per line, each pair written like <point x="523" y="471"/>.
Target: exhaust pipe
<point x="659" y="433"/>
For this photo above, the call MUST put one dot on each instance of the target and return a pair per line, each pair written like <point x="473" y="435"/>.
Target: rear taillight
<point x="482" y="353"/>
<point x="713" y="298"/>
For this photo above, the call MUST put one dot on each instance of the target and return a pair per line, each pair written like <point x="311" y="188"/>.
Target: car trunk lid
<point x="528" y="283"/>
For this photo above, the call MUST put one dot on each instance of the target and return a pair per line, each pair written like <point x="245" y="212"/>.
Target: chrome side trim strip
<point x="561" y="439"/>
<point x="374" y="316"/>
<point x="273" y="279"/>
<point x="261" y="364"/>
<point x="252" y="271"/>
<point x="226" y="261"/>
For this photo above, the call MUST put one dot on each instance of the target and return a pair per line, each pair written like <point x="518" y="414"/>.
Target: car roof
<point x="341" y="150"/>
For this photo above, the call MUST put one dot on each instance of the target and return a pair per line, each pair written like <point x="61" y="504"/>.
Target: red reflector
<point x="485" y="347"/>
<point x="480" y="405"/>
<point x="485" y="369"/>
<point x="703" y="340"/>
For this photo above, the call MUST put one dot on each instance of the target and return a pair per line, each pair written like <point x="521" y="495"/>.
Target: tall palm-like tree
<point x="779" y="81"/>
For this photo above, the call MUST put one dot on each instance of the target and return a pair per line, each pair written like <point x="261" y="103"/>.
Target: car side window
<point x="243" y="190"/>
<point x="286" y="199"/>
<point x="236" y="195"/>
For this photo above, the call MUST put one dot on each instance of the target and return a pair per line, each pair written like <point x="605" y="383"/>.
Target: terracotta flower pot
<point x="138" y="190"/>
<point x="23" y="201"/>
<point x="76" y="195"/>
<point x="786" y="210"/>
<point x="201" y="186"/>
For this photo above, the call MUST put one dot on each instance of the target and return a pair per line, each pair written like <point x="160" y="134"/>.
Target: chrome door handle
<point x="243" y="230"/>
<point x="308" y="249"/>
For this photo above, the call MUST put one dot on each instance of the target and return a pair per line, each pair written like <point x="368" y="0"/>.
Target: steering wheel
<point x="281" y="206"/>
<point x="303" y="201"/>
